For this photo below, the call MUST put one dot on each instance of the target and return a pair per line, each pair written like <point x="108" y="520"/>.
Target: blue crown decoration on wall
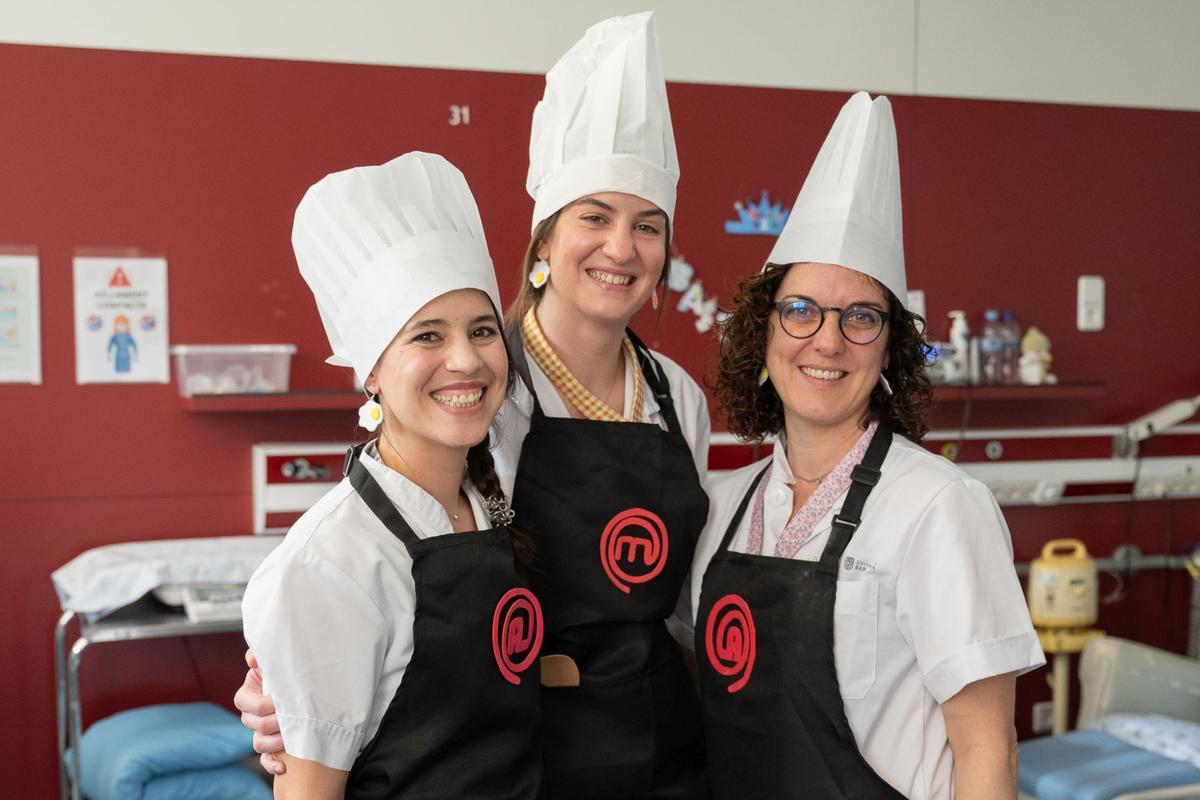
<point x="764" y="217"/>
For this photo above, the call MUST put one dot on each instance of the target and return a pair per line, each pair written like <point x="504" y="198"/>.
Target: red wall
<point x="204" y="159"/>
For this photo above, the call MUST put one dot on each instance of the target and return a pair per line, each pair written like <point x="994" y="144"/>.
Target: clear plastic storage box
<point x="232" y="368"/>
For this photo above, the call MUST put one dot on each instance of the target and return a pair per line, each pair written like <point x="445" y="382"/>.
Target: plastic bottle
<point x="1010" y="335"/>
<point x="960" y="338"/>
<point x="991" y="348"/>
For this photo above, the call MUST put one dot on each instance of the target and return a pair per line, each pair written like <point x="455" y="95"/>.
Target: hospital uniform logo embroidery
<point x="516" y="633"/>
<point x="633" y="547"/>
<point x="730" y="641"/>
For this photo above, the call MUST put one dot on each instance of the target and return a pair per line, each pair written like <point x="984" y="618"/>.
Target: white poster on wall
<point x="121" y="320"/>
<point x="20" y="320"/>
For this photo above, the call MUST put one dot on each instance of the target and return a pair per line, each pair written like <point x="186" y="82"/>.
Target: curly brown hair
<point x="753" y="412"/>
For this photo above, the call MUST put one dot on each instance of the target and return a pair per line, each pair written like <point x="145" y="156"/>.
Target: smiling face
<point x="443" y="378"/>
<point x="824" y="381"/>
<point x="606" y="253"/>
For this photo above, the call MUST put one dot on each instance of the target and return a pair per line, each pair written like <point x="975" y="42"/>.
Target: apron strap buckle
<point x="865" y="475"/>
<point x="351" y="457"/>
<point x="838" y="519"/>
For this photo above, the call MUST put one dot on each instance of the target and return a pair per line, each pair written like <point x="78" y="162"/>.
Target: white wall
<point x="1105" y="52"/>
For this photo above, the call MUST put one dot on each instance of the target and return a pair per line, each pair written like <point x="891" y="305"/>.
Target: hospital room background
<point x="1039" y="143"/>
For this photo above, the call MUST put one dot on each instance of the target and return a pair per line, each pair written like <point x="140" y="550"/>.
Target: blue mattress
<point x="1090" y="765"/>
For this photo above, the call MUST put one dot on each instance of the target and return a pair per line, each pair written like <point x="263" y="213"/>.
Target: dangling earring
<point x="370" y="413"/>
<point x="654" y="298"/>
<point x="539" y="274"/>
<point x="883" y="384"/>
<point x="763" y="376"/>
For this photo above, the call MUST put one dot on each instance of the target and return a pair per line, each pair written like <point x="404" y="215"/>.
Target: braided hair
<point x="481" y="470"/>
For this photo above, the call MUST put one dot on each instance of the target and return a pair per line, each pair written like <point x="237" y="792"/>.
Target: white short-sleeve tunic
<point x="329" y="615"/>
<point x="927" y="602"/>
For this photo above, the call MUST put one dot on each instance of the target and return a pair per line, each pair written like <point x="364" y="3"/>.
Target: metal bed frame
<point x="144" y="619"/>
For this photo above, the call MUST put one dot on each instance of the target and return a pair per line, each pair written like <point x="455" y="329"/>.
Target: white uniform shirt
<point x="927" y="602"/>
<point x="691" y="408"/>
<point x="329" y="615"/>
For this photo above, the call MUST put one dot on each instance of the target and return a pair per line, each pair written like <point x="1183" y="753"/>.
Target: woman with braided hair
<point x="605" y="443"/>
<point x="394" y="627"/>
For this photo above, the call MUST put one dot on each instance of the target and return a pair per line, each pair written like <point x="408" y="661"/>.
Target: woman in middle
<point x="608" y="446"/>
<point x="605" y="451"/>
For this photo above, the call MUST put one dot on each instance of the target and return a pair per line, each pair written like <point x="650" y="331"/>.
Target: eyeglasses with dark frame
<point x="801" y="318"/>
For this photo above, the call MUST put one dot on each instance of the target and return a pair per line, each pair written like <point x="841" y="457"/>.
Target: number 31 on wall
<point x="460" y="115"/>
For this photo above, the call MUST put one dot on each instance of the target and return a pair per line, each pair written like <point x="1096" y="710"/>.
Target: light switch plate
<point x="1089" y="305"/>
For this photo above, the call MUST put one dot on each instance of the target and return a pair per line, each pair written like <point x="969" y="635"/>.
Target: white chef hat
<point x="603" y="124"/>
<point x="848" y="211"/>
<point x="375" y="244"/>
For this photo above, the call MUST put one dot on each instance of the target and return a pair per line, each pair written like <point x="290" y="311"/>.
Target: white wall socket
<point x="1043" y="717"/>
<point x="1089" y="303"/>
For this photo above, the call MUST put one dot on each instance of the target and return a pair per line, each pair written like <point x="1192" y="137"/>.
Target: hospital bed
<point x="106" y="595"/>
<point x="1123" y="685"/>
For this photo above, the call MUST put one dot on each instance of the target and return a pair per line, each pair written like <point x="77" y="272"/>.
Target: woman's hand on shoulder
<point x="258" y="714"/>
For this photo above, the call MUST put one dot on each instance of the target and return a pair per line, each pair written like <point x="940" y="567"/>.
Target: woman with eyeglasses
<point x="858" y="621"/>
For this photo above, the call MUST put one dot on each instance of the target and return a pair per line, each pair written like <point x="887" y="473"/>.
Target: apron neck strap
<point x="862" y="480"/>
<point x="372" y="494"/>
<point x="515" y="341"/>
<point x="656" y="379"/>
<point x="741" y="510"/>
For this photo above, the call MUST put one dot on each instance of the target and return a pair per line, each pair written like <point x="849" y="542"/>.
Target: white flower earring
<point x="539" y="274"/>
<point x="370" y="413"/>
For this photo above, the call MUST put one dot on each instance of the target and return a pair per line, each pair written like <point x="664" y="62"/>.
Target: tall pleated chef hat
<point x="603" y="124"/>
<point x="375" y="244"/>
<point x="848" y="211"/>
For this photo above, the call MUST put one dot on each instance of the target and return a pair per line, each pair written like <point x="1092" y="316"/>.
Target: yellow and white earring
<point x="370" y="413"/>
<point x="763" y="376"/>
<point x="539" y="274"/>
<point x="883" y="384"/>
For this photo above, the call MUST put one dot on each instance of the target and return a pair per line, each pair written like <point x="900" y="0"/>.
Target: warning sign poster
<point x="121" y="320"/>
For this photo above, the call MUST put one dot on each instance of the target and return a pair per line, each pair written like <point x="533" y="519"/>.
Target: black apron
<point x="773" y="713"/>
<point x="464" y="721"/>
<point x="615" y="509"/>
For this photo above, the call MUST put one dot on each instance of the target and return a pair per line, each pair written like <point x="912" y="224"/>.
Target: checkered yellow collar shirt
<point x="569" y="386"/>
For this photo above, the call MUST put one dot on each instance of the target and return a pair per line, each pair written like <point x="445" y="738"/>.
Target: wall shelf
<point x="1057" y="391"/>
<point x="282" y="401"/>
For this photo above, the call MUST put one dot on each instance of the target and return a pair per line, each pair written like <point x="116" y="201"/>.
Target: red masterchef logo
<point x="516" y="633"/>
<point x="729" y="640"/>
<point x="633" y="547"/>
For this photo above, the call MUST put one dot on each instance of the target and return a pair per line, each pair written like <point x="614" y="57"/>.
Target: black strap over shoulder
<point x="656" y="379"/>
<point x="741" y="510"/>
<point x="515" y="341"/>
<point x="863" y="478"/>
<point x="373" y="495"/>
